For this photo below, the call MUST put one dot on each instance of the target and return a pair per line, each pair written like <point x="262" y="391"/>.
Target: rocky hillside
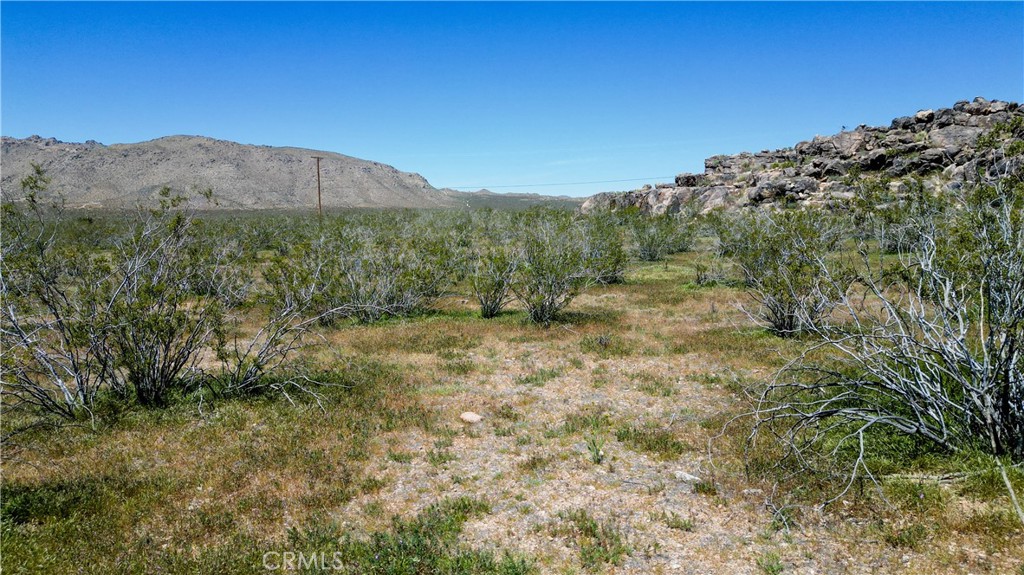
<point x="241" y="176"/>
<point x="943" y="147"/>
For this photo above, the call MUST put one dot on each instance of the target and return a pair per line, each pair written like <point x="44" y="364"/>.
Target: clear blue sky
<point x="472" y="94"/>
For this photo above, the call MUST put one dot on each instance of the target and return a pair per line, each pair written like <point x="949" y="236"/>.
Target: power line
<point x="559" y="183"/>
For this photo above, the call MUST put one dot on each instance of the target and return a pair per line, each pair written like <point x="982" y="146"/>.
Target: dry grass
<point x="649" y="369"/>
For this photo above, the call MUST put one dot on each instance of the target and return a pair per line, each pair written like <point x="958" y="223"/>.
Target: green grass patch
<point x="144" y="491"/>
<point x="535" y="463"/>
<point x="439" y="457"/>
<point x="427" y="543"/>
<point x="414" y="336"/>
<point x="770" y="563"/>
<point x="660" y="442"/>
<point x="539" y="378"/>
<point x="739" y="348"/>
<point x="599" y="542"/>
<point x="673" y="520"/>
<point x="607" y="346"/>
<point x="589" y="418"/>
<point x="904" y="537"/>
<point x="654" y="385"/>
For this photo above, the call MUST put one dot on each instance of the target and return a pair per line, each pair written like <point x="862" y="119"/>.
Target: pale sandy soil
<point x="731" y="530"/>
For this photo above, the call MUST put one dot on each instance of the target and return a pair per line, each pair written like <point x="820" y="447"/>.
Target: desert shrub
<point x="155" y="327"/>
<point x="285" y="302"/>
<point x="604" y="249"/>
<point x="493" y="260"/>
<point x="376" y="266"/>
<point x="556" y="266"/>
<point x="128" y="318"/>
<point x="493" y="268"/>
<point x="780" y="254"/>
<point x="52" y="358"/>
<point x="710" y="273"/>
<point x="275" y="233"/>
<point x="932" y="352"/>
<point x="1002" y="134"/>
<point x="895" y="218"/>
<point x="654" y="237"/>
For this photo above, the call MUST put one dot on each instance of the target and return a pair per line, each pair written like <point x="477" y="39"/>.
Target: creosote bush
<point x="382" y="267"/>
<point x="604" y="248"/>
<point x="128" y="319"/>
<point x="778" y="253"/>
<point x="895" y="214"/>
<point x="656" y="236"/>
<point x="556" y="265"/>
<point x="931" y="349"/>
<point x="171" y="303"/>
<point x="493" y="266"/>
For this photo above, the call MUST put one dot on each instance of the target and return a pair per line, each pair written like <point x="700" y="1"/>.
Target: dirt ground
<point x="607" y="416"/>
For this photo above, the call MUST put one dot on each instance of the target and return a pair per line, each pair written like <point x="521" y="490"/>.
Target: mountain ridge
<point x="242" y="176"/>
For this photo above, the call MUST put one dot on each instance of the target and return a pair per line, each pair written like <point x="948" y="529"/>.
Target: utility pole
<point x="319" y="204"/>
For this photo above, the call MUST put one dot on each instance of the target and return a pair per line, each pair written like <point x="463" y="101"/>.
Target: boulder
<point x="849" y="144"/>
<point x="837" y="191"/>
<point x="904" y="123"/>
<point x="471" y="417"/>
<point x="874" y="160"/>
<point x="811" y="170"/>
<point x="686" y="477"/>
<point x="933" y="156"/>
<point x="955" y="135"/>
<point x="943" y="118"/>
<point x="689" y="180"/>
<point x="669" y="200"/>
<point x="719" y="197"/>
<point x="836" y="168"/>
<point x="782" y="188"/>
<point x="980" y="106"/>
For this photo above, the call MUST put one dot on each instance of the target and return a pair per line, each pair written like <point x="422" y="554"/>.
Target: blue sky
<point x="499" y="94"/>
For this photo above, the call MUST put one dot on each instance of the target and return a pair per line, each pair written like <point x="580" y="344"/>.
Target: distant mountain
<point x="943" y="148"/>
<point x="489" y="199"/>
<point x="92" y="175"/>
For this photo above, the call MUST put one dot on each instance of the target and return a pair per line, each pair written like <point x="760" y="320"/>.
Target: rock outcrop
<point x="939" y="146"/>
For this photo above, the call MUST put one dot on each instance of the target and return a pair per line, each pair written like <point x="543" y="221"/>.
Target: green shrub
<point x="599" y="542"/>
<point x="654" y="237"/>
<point x="492" y="271"/>
<point x="930" y="351"/>
<point x="427" y="543"/>
<point x="133" y="319"/>
<point x="556" y="266"/>
<point x="661" y="442"/>
<point x="782" y="256"/>
<point x="603" y="248"/>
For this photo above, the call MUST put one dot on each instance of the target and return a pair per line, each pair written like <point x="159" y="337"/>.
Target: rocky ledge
<point x="943" y="148"/>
